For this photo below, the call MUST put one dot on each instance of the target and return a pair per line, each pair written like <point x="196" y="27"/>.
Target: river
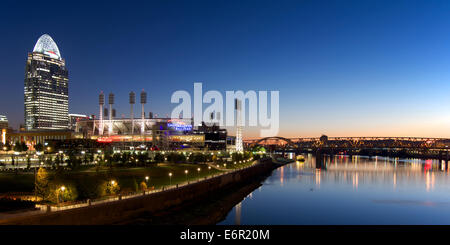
<point x="350" y="191"/>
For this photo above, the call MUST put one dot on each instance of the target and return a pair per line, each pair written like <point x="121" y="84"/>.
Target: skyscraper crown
<point x="46" y="45"/>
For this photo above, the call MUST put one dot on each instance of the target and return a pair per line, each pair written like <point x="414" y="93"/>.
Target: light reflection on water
<point x="351" y="190"/>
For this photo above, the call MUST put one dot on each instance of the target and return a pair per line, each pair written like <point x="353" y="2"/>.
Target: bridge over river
<point x="417" y="147"/>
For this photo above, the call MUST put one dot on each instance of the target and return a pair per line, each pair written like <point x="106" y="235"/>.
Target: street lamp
<point x="170" y="179"/>
<point x="146" y="178"/>
<point x="62" y="188"/>
<point x="185" y="173"/>
<point x="198" y="172"/>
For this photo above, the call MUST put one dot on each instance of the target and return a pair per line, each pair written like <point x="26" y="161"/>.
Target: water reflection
<point x="238" y="214"/>
<point x="395" y="179"/>
<point x="281" y="176"/>
<point x="355" y="180"/>
<point x="317" y="178"/>
<point x="350" y="190"/>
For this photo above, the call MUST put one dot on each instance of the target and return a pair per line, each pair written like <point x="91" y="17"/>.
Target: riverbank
<point x="111" y="212"/>
<point x="208" y="210"/>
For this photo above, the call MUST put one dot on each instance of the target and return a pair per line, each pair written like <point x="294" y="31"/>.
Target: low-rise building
<point x="74" y="118"/>
<point x="215" y="137"/>
<point x="3" y="128"/>
<point x="31" y="138"/>
<point x="159" y="133"/>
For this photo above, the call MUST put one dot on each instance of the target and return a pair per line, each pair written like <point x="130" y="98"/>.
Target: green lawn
<point x="159" y="174"/>
<point x="87" y="180"/>
<point x="16" y="182"/>
<point x="237" y="165"/>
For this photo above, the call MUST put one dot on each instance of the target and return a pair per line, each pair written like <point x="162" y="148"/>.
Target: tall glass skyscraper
<point x="46" y="87"/>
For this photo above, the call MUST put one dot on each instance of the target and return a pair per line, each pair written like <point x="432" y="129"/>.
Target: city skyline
<point x="225" y="121"/>
<point x="367" y="71"/>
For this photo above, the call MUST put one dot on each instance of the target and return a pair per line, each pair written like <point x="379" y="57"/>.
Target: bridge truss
<point x="353" y="142"/>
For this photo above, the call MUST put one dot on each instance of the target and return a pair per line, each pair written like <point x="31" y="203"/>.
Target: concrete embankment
<point x="206" y="210"/>
<point x="112" y="212"/>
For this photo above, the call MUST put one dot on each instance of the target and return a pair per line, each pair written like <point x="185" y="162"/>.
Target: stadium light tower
<point x="132" y="102"/>
<point x="101" y="101"/>
<point x="238" y="107"/>
<point x="143" y="102"/>
<point x="110" y="102"/>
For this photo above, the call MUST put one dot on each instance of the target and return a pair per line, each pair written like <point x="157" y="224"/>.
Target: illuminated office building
<point x="3" y="122"/>
<point x="3" y="128"/>
<point x="46" y="87"/>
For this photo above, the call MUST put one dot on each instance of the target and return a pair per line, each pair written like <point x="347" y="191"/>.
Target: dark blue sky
<point x="343" y="68"/>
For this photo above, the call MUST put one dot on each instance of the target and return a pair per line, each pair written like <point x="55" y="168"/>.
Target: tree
<point x="61" y="192"/>
<point x="109" y="188"/>
<point x="24" y="146"/>
<point x="125" y="158"/>
<point x="74" y="161"/>
<point x="41" y="183"/>
<point x="135" y="184"/>
<point x="28" y="162"/>
<point x="17" y="147"/>
<point x="158" y="157"/>
<point x="182" y="158"/>
<point x="116" y="158"/>
<point x="143" y="158"/>
<point x="39" y="147"/>
<point x="7" y="146"/>
<point x="237" y="156"/>
<point x="176" y="157"/>
<point x="247" y="155"/>
<point x="199" y="158"/>
<point x="108" y="157"/>
<point x="257" y="157"/>
<point x="85" y="159"/>
<point x="71" y="160"/>
<point x="143" y="186"/>
<point x="58" y="160"/>
<point x="48" y="161"/>
<point x="91" y="157"/>
<point x="134" y="159"/>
